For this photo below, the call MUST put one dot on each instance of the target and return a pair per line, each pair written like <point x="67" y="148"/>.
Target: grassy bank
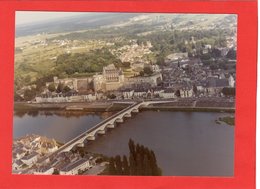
<point x="107" y="107"/>
<point x="228" y="120"/>
<point x="189" y="109"/>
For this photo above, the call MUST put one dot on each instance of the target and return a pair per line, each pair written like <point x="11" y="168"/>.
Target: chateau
<point x="110" y="80"/>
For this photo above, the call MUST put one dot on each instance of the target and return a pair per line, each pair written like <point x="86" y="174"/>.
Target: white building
<point x="44" y="171"/>
<point x="185" y="93"/>
<point x="128" y="94"/>
<point x="17" y="165"/>
<point x="168" y="93"/>
<point x="75" y="167"/>
<point x="231" y="81"/>
<point x="110" y="80"/>
<point x="30" y="159"/>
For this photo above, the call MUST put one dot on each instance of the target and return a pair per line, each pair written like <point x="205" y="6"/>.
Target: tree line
<point x="141" y="161"/>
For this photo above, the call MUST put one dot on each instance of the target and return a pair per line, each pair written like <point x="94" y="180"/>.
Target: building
<point x="30" y="159"/>
<point x="44" y="171"/>
<point x="17" y="165"/>
<point x="18" y="153"/>
<point x="152" y="80"/>
<point x="186" y="92"/>
<point x="214" y="86"/>
<point x="110" y="80"/>
<point x="75" y="167"/>
<point x="168" y="93"/>
<point x="176" y="56"/>
<point x="231" y="81"/>
<point x="128" y="93"/>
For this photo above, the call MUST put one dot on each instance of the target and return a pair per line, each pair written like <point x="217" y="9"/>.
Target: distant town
<point x="171" y="66"/>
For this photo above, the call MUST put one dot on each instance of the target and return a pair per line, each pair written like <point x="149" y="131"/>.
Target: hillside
<point x="133" y="37"/>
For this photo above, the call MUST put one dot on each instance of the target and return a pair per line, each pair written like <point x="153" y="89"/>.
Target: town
<point x="179" y="77"/>
<point x="187" y="66"/>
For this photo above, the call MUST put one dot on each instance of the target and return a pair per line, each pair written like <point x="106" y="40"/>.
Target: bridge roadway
<point x="74" y="142"/>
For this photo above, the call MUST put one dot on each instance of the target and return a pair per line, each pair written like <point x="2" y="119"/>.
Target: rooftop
<point x="75" y="164"/>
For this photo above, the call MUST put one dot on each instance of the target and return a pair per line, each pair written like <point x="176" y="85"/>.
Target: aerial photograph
<point x="131" y="94"/>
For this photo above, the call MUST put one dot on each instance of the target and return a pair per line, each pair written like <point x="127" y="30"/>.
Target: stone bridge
<point x="102" y="127"/>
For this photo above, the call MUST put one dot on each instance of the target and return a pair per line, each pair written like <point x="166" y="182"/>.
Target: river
<point x="185" y="143"/>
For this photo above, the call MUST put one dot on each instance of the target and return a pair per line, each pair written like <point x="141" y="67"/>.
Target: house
<point x="18" y="153"/>
<point x="128" y="93"/>
<point x="231" y="81"/>
<point x="75" y="167"/>
<point x="215" y="85"/>
<point x="30" y="159"/>
<point x="168" y="93"/>
<point x="17" y="165"/>
<point x="44" y="171"/>
<point x="157" y="91"/>
<point x="186" y="92"/>
<point x="140" y="92"/>
<point x="176" y="56"/>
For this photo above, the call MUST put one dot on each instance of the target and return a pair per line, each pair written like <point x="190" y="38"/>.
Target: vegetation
<point x="228" y="120"/>
<point x="37" y="63"/>
<point x="51" y="87"/>
<point x="141" y="161"/>
<point x="29" y="94"/>
<point x="92" y="61"/>
<point x="227" y="91"/>
<point x="168" y="42"/>
<point x="147" y="71"/>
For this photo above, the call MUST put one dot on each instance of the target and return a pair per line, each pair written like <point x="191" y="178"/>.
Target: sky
<point x="26" y="17"/>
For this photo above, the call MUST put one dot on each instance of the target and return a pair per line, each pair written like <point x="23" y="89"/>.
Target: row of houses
<point x="75" y="98"/>
<point x="157" y="93"/>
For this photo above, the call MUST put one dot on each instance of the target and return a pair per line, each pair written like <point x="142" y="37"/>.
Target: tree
<point x="126" y="64"/>
<point x="66" y="89"/>
<point x="56" y="172"/>
<point x="111" y="96"/>
<point x="148" y="70"/>
<point x="147" y="167"/>
<point x="216" y="53"/>
<point x="118" y="162"/>
<point x="29" y="94"/>
<point x="51" y="87"/>
<point x="17" y="97"/>
<point x="126" y="170"/>
<point x="142" y="161"/>
<point x="160" y="60"/>
<point x="132" y="165"/>
<point x="59" y="88"/>
<point x="178" y="93"/>
<point x="195" y="89"/>
<point x="227" y="91"/>
<point x="232" y="54"/>
<point x="112" y="169"/>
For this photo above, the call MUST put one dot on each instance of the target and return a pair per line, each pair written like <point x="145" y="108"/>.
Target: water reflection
<point x="185" y="143"/>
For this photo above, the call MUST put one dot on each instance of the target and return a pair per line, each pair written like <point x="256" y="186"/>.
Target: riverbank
<point x="110" y="107"/>
<point x="80" y="106"/>
<point x="189" y="109"/>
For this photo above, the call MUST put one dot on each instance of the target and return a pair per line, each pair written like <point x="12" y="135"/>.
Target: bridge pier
<point x="119" y="120"/>
<point x="101" y="132"/>
<point x="80" y="145"/>
<point x="127" y="115"/>
<point x="111" y="126"/>
<point x="135" y="110"/>
<point x="91" y="138"/>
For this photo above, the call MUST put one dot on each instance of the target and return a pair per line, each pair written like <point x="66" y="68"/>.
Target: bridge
<point x="100" y="128"/>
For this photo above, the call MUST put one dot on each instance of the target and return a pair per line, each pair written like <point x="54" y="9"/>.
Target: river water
<point x="185" y="143"/>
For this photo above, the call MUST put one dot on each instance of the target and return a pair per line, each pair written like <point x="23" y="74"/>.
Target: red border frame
<point x="244" y="177"/>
